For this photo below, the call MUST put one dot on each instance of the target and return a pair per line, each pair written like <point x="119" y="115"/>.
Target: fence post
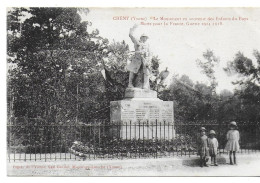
<point x="51" y="134"/>
<point x="164" y="136"/>
<point x="173" y="129"/>
<point x="119" y="127"/>
<point x="55" y="141"/>
<point x="182" y="134"/>
<point x="168" y="142"/>
<point x="13" y="142"/>
<point x="60" y="140"/>
<point x="160" y="140"/>
<point x="45" y="141"/>
<point x="94" y="133"/>
<point x="99" y="126"/>
<point x="135" y="141"/>
<point x="147" y="129"/>
<point x="9" y="133"/>
<point x="143" y="139"/>
<point x="147" y="139"/>
<point x="156" y="138"/>
<point x="34" y="147"/>
<point x="126" y="131"/>
<point x="70" y="137"/>
<point x="126" y="145"/>
<point x="139" y="139"/>
<point x="30" y="141"/>
<point x="89" y="152"/>
<point x="152" y="129"/>
<point x="130" y="142"/>
<point x="255" y="137"/>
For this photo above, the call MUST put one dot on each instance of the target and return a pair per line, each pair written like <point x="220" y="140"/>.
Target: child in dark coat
<point x="203" y="149"/>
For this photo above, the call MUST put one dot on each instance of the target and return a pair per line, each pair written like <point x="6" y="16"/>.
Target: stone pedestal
<point x="133" y="93"/>
<point x="142" y="115"/>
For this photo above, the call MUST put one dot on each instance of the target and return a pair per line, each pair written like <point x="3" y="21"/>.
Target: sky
<point x="179" y="46"/>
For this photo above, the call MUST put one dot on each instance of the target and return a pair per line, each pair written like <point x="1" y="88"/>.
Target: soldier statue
<point x="140" y="63"/>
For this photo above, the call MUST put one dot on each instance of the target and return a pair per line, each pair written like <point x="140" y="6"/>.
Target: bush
<point x="123" y="146"/>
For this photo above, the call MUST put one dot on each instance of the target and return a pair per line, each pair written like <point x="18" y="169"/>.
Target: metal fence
<point x="37" y="140"/>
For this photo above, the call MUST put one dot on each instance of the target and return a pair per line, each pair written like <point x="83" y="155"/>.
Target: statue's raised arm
<point x="131" y="34"/>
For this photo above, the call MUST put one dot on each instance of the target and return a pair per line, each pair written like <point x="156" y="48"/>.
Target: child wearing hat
<point x="213" y="146"/>
<point x="232" y="142"/>
<point x="203" y="147"/>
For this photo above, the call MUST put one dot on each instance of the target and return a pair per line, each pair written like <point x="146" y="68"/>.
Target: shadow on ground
<point x="195" y="162"/>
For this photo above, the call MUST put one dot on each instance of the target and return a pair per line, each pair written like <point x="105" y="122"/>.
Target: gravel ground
<point x="248" y="165"/>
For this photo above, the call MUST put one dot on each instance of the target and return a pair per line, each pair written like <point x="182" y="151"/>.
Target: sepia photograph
<point x="120" y="91"/>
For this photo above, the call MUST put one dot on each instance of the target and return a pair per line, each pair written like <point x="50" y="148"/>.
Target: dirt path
<point x="248" y="165"/>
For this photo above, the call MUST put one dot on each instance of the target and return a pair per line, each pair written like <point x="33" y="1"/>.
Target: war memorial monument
<point x="140" y="105"/>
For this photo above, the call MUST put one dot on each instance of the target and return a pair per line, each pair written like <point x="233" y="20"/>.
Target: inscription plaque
<point x="142" y="111"/>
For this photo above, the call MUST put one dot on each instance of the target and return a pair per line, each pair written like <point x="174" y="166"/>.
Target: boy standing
<point x="203" y="147"/>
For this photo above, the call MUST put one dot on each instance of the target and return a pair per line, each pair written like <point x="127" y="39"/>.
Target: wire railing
<point x="36" y="140"/>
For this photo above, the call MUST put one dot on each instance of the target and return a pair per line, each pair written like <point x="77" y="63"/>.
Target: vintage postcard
<point x="133" y="91"/>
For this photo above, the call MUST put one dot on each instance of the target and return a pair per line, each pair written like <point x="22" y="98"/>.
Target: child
<point x="232" y="141"/>
<point x="213" y="146"/>
<point x="203" y="147"/>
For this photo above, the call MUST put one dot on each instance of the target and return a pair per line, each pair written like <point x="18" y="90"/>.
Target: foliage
<point x="55" y="57"/>
<point x="244" y="67"/>
<point x="247" y="92"/>
<point x="208" y="67"/>
<point x="123" y="146"/>
<point x="192" y="101"/>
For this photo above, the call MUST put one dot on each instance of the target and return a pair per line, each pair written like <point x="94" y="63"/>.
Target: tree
<point x="244" y="67"/>
<point x="196" y="102"/>
<point x="53" y="54"/>
<point x="208" y="67"/>
<point x="190" y="101"/>
<point x="248" y="90"/>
